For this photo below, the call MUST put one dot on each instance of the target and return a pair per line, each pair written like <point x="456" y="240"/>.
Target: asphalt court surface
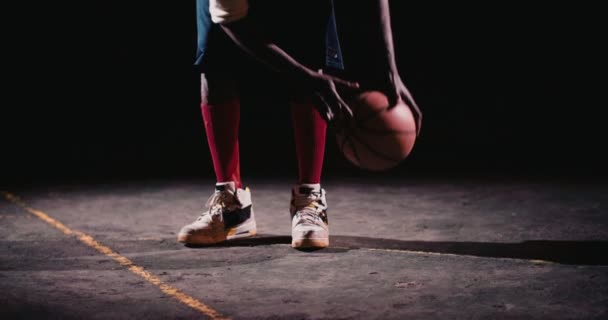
<point x="423" y="249"/>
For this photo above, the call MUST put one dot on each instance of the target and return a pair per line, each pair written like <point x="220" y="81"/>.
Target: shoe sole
<point x="206" y="240"/>
<point x="244" y="230"/>
<point x="245" y="234"/>
<point x="310" y="243"/>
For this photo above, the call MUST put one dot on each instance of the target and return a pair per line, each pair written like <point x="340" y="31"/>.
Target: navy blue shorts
<point x="306" y="31"/>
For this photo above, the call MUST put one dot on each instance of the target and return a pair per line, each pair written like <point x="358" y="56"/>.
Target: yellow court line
<point x="122" y="260"/>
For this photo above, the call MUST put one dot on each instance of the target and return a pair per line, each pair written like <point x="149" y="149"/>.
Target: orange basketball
<point x="379" y="137"/>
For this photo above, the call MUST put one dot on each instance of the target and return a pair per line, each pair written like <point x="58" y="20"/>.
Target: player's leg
<point x="220" y="106"/>
<point x="229" y="212"/>
<point x="309" y="131"/>
<point x="309" y="205"/>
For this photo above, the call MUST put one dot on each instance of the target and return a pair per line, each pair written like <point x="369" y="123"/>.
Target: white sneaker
<point x="309" y="225"/>
<point x="229" y="216"/>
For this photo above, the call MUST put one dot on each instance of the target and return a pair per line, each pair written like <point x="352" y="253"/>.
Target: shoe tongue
<point x="306" y="189"/>
<point x="226" y="186"/>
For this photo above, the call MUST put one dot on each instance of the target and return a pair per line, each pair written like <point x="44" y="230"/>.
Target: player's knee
<point x="216" y="90"/>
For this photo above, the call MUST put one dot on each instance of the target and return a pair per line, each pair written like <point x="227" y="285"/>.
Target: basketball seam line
<point x="375" y="152"/>
<point x="361" y="122"/>
<point x="381" y="132"/>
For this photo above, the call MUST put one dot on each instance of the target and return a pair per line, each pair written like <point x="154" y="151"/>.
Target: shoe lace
<point x="309" y="207"/>
<point x="218" y="202"/>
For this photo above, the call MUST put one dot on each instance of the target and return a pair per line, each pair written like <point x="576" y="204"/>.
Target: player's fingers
<point x="345" y="83"/>
<point x="417" y="114"/>
<point x="341" y="82"/>
<point x="345" y="108"/>
<point x="325" y="111"/>
<point x="407" y="97"/>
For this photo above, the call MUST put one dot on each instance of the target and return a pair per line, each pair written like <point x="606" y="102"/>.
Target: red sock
<point x="222" y="128"/>
<point x="309" y="129"/>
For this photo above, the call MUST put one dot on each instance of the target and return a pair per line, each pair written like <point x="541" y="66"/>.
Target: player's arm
<point x="398" y="89"/>
<point x="232" y="16"/>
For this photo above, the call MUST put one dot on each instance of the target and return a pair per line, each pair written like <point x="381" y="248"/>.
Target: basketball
<point x="378" y="137"/>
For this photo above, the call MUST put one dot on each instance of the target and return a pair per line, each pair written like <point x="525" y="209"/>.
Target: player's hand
<point x="399" y="92"/>
<point x="330" y="104"/>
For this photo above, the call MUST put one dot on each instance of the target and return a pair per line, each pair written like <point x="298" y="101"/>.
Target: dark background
<point x="107" y="89"/>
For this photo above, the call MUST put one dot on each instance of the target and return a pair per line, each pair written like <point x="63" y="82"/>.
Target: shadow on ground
<point x="565" y="252"/>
